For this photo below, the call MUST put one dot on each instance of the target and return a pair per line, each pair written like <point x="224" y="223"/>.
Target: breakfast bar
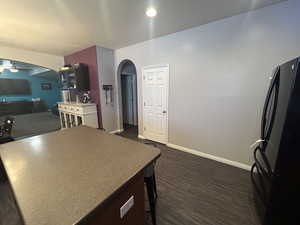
<point x="78" y="176"/>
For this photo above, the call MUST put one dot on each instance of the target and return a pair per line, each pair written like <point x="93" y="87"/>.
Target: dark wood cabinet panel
<point x="109" y="212"/>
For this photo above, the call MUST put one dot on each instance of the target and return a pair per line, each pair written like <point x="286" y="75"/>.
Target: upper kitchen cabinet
<point x="75" y="77"/>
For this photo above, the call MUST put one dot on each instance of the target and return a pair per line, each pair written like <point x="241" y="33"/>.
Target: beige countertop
<point x="60" y="177"/>
<point x="76" y="104"/>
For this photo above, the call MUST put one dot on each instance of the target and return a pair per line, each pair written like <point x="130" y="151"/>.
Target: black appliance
<point x="275" y="173"/>
<point x="75" y="77"/>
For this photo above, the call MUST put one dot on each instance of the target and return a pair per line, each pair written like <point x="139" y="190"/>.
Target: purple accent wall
<point x="88" y="56"/>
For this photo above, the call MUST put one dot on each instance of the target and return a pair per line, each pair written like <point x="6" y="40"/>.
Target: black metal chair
<point x="150" y="181"/>
<point x="6" y="130"/>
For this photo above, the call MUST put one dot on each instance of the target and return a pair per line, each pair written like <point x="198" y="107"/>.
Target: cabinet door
<point x="82" y="77"/>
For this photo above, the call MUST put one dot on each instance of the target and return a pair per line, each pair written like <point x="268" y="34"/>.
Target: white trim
<point x="116" y="131"/>
<point x="168" y="95"/>
<point x="141" y="137"/>
<point x="212" y="157"/>
<point x="156" y="66"/>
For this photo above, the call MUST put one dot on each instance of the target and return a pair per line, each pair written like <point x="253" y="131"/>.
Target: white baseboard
<point x="116" y="131"/>
<point x="141" y="137"/>
<point x="212" y="157"/>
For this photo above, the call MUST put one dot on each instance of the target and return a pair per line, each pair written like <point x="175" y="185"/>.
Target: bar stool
<point x="150" y="181"/>
<point x="6" y="130"/>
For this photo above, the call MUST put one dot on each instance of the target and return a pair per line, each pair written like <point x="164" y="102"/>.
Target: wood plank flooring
<point x="8" y="210"/>
<point x="198" y="191"/>
<point x="192" y="191"/>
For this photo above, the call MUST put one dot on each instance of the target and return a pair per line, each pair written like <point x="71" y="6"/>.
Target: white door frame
<point x="167" y="106"/>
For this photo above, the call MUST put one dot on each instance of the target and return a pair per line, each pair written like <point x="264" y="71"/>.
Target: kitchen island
<point x="77" y="176"/>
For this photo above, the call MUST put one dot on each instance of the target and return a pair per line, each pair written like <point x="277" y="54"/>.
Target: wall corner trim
<point x="116" y="131"/>
<point x="141" y="137"/>
<point x="212" y="157"/>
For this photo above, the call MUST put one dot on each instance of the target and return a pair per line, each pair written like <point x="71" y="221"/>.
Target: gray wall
<point x="105" y="61"/>
<point x="219" y="75"/>
<point x="129" y="68"/>
<point x="128" y="99"/>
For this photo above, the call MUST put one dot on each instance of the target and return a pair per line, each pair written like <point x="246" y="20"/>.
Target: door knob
<point x="164" y="111"/>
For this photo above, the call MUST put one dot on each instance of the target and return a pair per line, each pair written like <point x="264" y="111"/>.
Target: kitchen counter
<point x="60" y="178"/>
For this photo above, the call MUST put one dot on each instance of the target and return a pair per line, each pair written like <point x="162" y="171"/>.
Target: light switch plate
<point x="126" y="207"/>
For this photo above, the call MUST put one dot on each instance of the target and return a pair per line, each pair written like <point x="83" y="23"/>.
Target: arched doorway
<point x="129" y="102"/>
<point x="28" y="93"/>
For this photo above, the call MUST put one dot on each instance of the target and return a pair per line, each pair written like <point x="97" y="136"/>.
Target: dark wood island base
<point x="78" y="176"/>
<point x="109" y="212"/>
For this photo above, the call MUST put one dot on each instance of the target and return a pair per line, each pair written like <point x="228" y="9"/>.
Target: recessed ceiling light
<point x="151" y="12"/>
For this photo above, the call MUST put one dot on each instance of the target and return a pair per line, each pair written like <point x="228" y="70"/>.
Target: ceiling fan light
<point x="13" y="70"/>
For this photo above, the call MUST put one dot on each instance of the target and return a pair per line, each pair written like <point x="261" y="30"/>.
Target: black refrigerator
<point x="275" y="173"/>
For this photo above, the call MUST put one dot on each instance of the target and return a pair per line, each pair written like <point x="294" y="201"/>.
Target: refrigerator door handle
<point x="268" y="173"/>
<point x="274" y="86"/>
<point x="257" y="142"/>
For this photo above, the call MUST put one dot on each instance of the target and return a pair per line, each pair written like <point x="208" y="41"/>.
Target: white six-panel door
<point x="155" y="103"/>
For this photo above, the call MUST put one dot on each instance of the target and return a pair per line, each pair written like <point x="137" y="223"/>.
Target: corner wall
<point x="219" y="75"/>
<point x="105" y="61"/>
<point x="88" y="56"/>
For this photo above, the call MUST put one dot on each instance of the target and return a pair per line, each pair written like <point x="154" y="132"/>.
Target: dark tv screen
<point x="14" y="87"/>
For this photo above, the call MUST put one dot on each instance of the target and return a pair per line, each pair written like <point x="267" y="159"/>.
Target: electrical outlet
<point x="126" y="207"/>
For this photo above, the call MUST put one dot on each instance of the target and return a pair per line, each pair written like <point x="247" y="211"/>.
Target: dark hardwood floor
<point x="192" y="191"/>
<point x="8" y="210"/>
<point x="130" y="131"/>
<point x="198" y="191"/>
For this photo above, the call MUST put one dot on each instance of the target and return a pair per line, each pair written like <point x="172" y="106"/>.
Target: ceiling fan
<point x="12" y="66"/>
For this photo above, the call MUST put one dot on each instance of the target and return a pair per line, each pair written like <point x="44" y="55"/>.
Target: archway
<point x="28" y="93"/>
<point x="127" y="77"/>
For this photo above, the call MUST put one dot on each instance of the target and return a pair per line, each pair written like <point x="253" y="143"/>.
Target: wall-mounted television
<point x="14" y="87"/>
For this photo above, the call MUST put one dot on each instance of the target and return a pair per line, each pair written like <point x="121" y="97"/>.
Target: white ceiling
<point x="61" y="27"/>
